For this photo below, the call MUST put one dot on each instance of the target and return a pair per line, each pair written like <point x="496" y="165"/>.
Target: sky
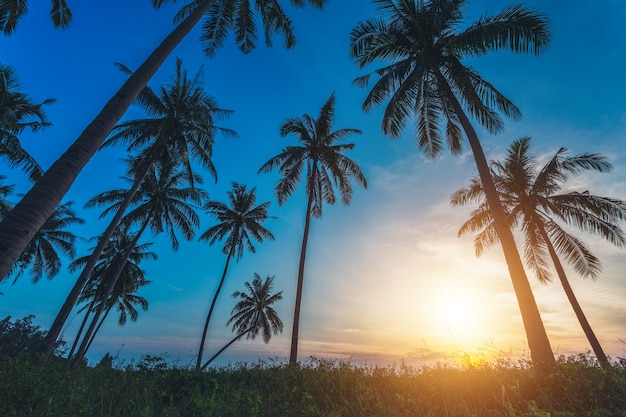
<point x="387" y="279"/>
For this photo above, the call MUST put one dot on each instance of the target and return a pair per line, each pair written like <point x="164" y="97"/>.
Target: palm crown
<point x="320" y="158"/>
<point x="425" y="77"/>
<point x="253" y="314"/>
<point x="240" y="223"/>
<point x="533" y="199"/>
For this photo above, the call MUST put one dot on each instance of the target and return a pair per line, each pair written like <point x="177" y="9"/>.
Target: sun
<point x="456" y="309"/>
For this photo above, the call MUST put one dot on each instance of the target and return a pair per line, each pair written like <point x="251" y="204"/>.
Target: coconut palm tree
<point x="321" y="159"/>
<point x="240" y="222"/>
<point x="18" y="113"/>
<point x="161" y="203"/>
<point x="253" y="313"/>
<point x="12" y="11"/>
<point x="533" y="199"/>
<point x="131" y="279"/>
<point x="180" y="126"/>
<point x="20" y="225"/>
<point x="424" y="80"/>
<point x="41" y="255"/>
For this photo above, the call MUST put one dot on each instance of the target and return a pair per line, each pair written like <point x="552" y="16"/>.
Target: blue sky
<point x="385" y="274"/>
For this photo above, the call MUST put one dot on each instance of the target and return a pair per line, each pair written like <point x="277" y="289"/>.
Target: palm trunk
<point x="293" y="356"/>
<point x="538" y="342"/>
<point x="239" y="336"/>
<point x="20" y="225"/>
<point x="93" y="336"/>
<point x="80" y="330"/>
<point x="116" y="274"/>
<point x="208" y="317"/>
<point x="72" y="297"/>
<point x="591" y="336"/>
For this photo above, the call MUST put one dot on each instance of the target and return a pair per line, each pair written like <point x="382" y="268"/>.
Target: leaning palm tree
<point x="179" y="128"/>
<point x="240" y="223"/>
<point x="163" y="204"/>
<point x="18" y="113"/>
<point x="42" y="253"/>
<point x="325" y="167"/>
<point x="21" y="224"/>
<point x="94" y="292"/>
<point x="425" y="82"/>
<point x="533" y="199"/>
<point x="253" y="313"/>
<point x="11" y="12"/>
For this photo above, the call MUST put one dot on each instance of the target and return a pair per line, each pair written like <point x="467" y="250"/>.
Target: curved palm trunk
<point x="293" y="356"/>
<point x="72" y="297"/>
<point x="20" y="225"/>
<point x="95" y="332"/>
<point x="208" y="317"/>
<point x="582" y="319"/>
<point x="239" y="336"/>
<point x="538" y="342"/>
<point x="82" y="350"/>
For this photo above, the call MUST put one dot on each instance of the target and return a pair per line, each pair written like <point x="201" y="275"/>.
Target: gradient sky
<point x="387" y="279"/>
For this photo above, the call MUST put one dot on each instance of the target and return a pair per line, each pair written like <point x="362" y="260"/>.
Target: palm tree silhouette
<point x="20" y="225"/>
<point x="325" y="167"/>
<point x="240" y="223"/>
<point x="11" y="12"/>
<point x="163" y="204"/>
<point x="426" y="81"/>
<point x="180" y="127"/>
<point x="18" y="113"/>
<point x="41" y="255"/>
<point x="253" y="313"/>
<point x="131" y="279"/>
<point x="532" y="199"/>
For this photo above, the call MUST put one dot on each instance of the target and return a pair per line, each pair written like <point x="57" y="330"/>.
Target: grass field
<point x="151" y="387"/>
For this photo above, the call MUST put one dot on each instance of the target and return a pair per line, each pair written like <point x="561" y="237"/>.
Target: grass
<point x="151" y="388"/>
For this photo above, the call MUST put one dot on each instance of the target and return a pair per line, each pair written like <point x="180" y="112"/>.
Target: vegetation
<point x="151" y="387"/>
<point x="533" y="199"/>
<point x="424" y="77"/>
<point x="239" y="225"/>
<point x="321" y="160"/>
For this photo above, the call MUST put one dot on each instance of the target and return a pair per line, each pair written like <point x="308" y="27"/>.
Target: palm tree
<point x="18" y="113"/>
<point x="20" y="225"/>
<point x="180" y="127"/>
<point x="41" y="255"/>
<point x="131" y="279"/>
<point x="325" y="167"/>
<point x="162" y="204"/>
<point x="533" y="199"/>
<point x="253" y="313"/>
<point x="239" y="224"/>
<point x="12" y="11"/>
<point x="426" y="81"/>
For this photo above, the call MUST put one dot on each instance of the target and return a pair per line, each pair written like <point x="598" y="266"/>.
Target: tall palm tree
<point x="18" y="113"/>
<point x="533" y="198"/>
<point x="20" y="225"/>
<point x="325" y="167"/>
<point x="131" y="279"/>
<point x="240" y="222"/>
<point x="12" y="11"/>
<point x="426" y="82"/>
<point x="162" y="203"/>
<point x="253" y="313"/>
<point x="41" y="255"/>
<point x="179" y="127"/>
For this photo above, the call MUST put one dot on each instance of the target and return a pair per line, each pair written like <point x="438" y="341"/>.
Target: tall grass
<point x="150" y="388"/>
